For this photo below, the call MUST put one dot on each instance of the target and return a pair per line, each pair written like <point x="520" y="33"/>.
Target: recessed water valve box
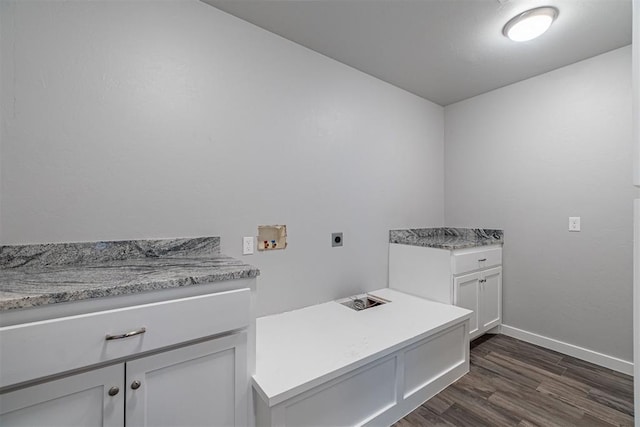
<point x="272" y="237"/>
<point x="336" y="239"/>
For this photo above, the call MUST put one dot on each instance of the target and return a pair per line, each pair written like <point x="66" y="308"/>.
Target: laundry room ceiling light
<point x="530" y="24"/>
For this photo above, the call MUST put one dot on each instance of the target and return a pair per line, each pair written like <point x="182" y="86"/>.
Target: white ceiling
<point x="441" y="50"/>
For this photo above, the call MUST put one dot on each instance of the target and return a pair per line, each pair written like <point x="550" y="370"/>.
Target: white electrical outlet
<point x="247" y="245"/>
<point x="574" y="223"/>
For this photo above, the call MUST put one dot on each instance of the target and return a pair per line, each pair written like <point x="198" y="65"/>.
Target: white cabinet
<point x="481" y="293"/>
<point x="184" y="361"/>
<point x="196" y="385"/>
<point x="469" y="278"/>
<point x="327" y="365"/>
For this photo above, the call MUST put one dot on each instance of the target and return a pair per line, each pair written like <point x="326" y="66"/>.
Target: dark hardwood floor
<point x="514" y="383"/>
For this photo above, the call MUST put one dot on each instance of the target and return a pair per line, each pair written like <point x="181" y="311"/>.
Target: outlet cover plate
<point x="574" y="223"/>
<point x="247" y="245"/>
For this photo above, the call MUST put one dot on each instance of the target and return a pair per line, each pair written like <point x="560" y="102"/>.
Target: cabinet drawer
<point x="39" y="349"/>
<point x="464" y="261"/>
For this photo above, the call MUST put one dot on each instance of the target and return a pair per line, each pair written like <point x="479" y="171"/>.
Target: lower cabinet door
<point x="466" y="292"/>
<point x="491" y="299"/>
<point x="196" y="385"/>
<point x="88" y="399"/>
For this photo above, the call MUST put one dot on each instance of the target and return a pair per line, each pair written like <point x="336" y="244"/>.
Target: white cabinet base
<point x="193" y="360"/>
<point x="381" y="392"/>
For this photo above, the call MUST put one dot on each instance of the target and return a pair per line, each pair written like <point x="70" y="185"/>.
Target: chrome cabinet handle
<point x="483" y="259"/>
<point x="126" y="335"/>
<point x="114" y="390"/>
<point x="135" y="385"/>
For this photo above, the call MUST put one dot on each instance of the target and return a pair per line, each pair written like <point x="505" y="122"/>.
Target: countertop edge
<point x="44" y="299"/>
<point x="450" y="247"/>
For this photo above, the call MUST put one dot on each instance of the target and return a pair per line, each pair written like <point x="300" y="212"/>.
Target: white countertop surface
<point x="300" y="349"/>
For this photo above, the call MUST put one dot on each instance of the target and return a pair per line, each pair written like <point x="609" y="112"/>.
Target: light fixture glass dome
<point x="530" y="24"/>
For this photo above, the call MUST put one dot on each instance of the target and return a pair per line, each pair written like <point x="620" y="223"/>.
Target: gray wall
<point x="167" y="119"/>
<point x="528" y="156"/>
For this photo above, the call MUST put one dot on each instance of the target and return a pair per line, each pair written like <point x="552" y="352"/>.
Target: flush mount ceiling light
<point x="530" y="24"/>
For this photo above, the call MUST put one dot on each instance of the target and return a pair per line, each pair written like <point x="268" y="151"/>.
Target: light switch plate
<point x="574" y="223"/>
<point x="247" y="245"/>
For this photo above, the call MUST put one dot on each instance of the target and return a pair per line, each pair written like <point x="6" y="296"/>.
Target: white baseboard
<point x="572" y="350"/>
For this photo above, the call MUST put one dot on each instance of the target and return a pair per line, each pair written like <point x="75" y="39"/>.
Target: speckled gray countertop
<point x="447" y="237"/>
<point x="36" y="275"/>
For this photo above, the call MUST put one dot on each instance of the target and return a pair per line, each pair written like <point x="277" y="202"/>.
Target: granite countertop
<point x="36" y="275"/>
<point x="447" y="237"/>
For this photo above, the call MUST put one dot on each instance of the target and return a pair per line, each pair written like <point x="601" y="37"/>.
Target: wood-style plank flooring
<point x="514" y="383"/>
